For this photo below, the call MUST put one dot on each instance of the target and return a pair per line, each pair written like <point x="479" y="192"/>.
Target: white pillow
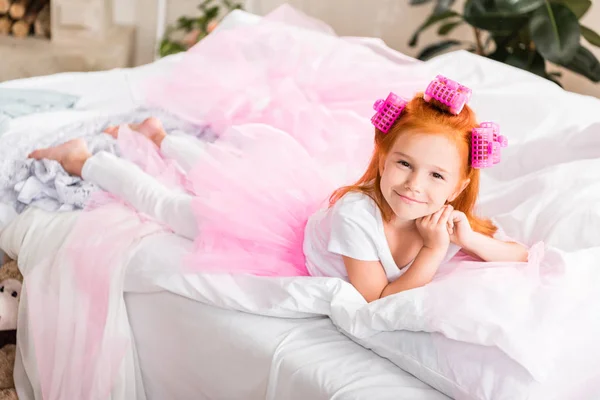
<point x="468" y="371"/>
<point x="457" y="369"/>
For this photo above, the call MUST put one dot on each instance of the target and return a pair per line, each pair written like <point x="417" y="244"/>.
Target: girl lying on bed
<point x="254" y="199"/>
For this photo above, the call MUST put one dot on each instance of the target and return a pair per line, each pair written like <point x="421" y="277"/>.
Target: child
<point x="256" y="194"/>
<point x="390" y="231"/>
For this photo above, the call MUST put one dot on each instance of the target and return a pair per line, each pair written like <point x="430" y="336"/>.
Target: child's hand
<point x="433" y="228"/>
<point x="459" y="228"/>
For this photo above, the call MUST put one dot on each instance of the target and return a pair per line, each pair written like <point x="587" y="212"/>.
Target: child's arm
<point x="369" y="278"/>
<point x="420" y="273"/>
<point x="434" y="232"/>
<point x="482" y="246"/>
<point x="490" y="249"/>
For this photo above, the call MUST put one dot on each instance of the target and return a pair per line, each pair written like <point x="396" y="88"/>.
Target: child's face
<point x="421" y="173"/>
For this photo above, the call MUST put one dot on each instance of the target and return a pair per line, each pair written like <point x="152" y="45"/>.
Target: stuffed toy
<point x="10" y="293"/>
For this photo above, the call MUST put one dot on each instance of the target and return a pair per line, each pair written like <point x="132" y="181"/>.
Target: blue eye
<point x="437" y="176"/>
<point x="404" y="164"/>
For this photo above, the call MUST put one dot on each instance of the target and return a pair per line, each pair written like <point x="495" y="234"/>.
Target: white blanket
<point x="546" y="189"/>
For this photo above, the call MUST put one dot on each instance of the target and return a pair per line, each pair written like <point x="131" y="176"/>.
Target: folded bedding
<point x="267" y="358"/>
<point x="19" y="102"/>
<point x="476" y="332"/>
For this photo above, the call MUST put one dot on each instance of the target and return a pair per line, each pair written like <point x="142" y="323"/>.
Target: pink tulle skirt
<point x="255" y="190"/>
<point x="293" y="106"/>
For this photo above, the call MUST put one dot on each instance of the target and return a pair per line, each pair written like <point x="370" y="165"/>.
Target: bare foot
<point x="113" y="131"/>
<point x="71" y="155"/>
<point x="151" y="128"/>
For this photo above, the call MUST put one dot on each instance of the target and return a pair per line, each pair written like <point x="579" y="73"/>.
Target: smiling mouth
<point x="409" y="200"/>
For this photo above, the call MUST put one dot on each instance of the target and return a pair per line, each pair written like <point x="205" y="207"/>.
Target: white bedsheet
<point x="189" y="350"/>
<point x="278" y="358"/>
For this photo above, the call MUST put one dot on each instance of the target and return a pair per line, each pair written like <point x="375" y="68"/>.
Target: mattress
<point x="189" y="350"/>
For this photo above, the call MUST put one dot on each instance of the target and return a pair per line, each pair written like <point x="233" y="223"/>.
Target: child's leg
<point x="185" y="150"/>
<point x="143" y="192"/>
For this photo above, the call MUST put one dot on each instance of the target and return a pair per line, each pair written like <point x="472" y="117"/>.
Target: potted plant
<point x="521" y="33"/>
<point x="188" y="31"/>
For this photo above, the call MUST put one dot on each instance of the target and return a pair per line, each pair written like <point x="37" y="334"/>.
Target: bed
<point x="227" y="354"/>
<point x="191" y="343"/>
<point x="188" y="350"/>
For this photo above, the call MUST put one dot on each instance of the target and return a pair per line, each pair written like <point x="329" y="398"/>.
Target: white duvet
<point x="545" y="320"/>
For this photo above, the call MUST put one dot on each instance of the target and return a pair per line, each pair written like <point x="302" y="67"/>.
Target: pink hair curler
<point x="388" y="111"/>
<point x="448" y="92"/>
<point x="486" y="143"/>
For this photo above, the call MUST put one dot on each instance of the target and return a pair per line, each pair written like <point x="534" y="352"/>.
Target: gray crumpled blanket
<point x="45" y="184"/>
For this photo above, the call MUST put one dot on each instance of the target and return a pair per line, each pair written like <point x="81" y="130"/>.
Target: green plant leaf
<point x="518" y="6"/>
<point x="185" y="23"/>
<point x="500" y="54"/>
<point x="486" y="16"/>
<point x="168" y="47"/>
<point x="429" y="22"/>
<point x="212" y="13"/>
<point x="525" y="59"/>
<point x="531" y="61"/>
<point x="436" y="48"/>
<point x="589" y="35"/>
<point x="579" y="7"/>
<point x="419" y="2"/>
<point x="448" y="27"/>
<point x="555" y="32"/>
<point x="585" y="63"/>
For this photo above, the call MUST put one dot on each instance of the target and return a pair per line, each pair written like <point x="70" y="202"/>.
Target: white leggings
<point x="142" y="191"/>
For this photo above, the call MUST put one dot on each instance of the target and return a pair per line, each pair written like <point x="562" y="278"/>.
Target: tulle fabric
<point x="258" y="188"/>
<point x="292" y="105"/>
<point x="79" y="324"/>
<point x="246" y="75"/>
<point x="77" y="319"/>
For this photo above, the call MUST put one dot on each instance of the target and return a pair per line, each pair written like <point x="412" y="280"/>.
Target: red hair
<point x="429" y="118"/>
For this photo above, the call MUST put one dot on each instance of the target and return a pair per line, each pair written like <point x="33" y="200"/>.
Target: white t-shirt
<point x="353" y="227"/>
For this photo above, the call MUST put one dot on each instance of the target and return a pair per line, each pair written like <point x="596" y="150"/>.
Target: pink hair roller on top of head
<point x="388" y="111"/>
<point x="448" y="92"/>
<point x="486" y="143"/>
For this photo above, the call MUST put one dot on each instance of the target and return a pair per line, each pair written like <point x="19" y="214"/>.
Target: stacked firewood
<point x="22" y="18"/>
